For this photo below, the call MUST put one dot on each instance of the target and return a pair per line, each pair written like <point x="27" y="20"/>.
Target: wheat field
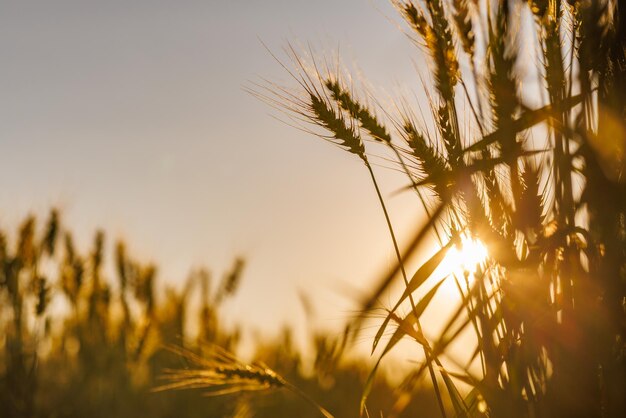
<point x="518" y="160"/>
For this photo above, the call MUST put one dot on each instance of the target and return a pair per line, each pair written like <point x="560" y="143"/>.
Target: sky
<point x="132" y="116"/>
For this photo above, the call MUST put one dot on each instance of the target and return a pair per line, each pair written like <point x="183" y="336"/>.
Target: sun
<point x="466" y="256"/>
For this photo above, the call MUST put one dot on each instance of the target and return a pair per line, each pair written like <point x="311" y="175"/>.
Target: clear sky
<point x="131" y="116"/>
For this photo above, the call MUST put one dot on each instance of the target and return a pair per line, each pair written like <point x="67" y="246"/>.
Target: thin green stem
<point x="431" y="370"/>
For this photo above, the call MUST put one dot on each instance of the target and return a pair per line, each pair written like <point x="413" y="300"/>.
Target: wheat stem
<point x="431" y="370"/>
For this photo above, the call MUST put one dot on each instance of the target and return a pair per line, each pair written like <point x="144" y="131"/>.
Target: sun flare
<point x="466" y="256"/>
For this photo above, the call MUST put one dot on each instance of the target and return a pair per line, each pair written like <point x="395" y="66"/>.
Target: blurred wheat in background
<point x="85" y="333"/>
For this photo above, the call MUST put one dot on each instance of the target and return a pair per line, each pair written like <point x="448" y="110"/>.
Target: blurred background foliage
<point x="83" y="334"/>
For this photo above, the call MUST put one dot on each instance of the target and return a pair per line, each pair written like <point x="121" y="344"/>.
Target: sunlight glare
<point x="467" y="256"/>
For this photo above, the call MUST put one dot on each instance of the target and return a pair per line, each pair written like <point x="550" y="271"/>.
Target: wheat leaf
<point x="420" y="276"/>
<point x="373" y="299"/>
<point x="406" y="325"/>
<point x="528" y="119"/>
